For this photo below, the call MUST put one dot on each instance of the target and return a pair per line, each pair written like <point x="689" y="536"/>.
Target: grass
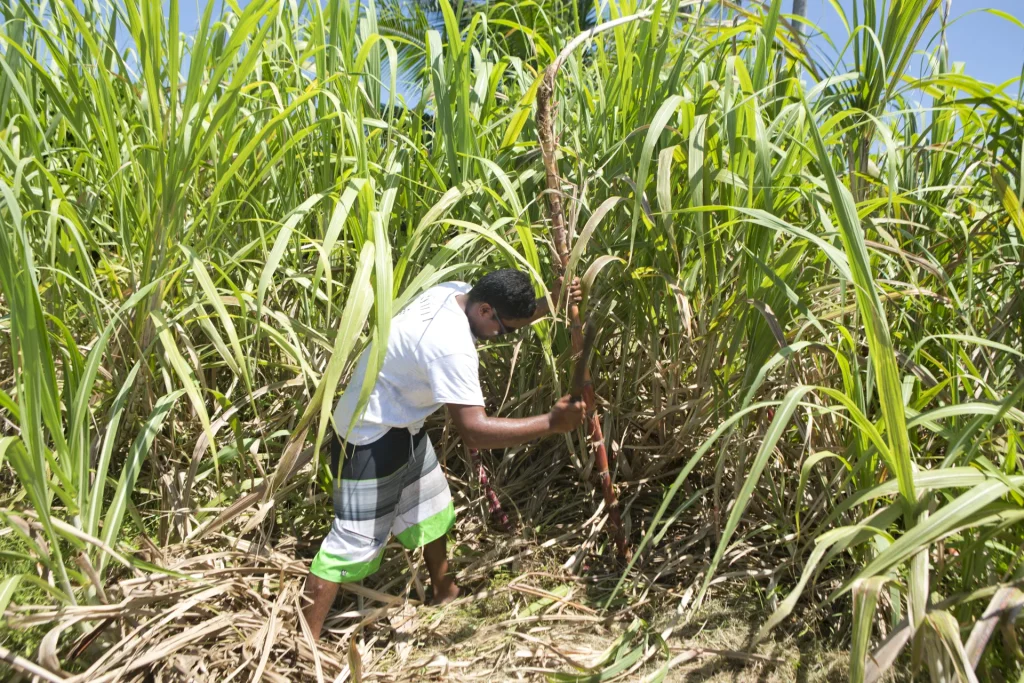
<point x="20" y="641"/>
<point x="807" y="280"/>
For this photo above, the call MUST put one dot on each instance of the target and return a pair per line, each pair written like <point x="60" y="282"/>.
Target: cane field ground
<point x="803" y="253"/>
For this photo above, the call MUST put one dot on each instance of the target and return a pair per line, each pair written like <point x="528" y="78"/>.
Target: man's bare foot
<point x="445" y="592"/>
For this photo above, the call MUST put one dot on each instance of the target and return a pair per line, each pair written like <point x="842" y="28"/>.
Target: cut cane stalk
<point x="499" y="518"/>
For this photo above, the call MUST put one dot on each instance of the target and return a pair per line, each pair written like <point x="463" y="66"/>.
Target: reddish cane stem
<point x="499" y="518"/>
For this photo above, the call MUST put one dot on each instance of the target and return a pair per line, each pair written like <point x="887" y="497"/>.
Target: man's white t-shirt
<point x="431" y="360"/>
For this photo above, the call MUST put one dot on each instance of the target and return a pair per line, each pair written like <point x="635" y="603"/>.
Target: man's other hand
<point x="567" y="414"/>
<point x="575" y="291"/>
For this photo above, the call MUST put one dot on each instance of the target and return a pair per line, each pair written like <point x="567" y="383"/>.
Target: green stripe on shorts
<point x="337" y="570"/>
<point x="430" y="529"/>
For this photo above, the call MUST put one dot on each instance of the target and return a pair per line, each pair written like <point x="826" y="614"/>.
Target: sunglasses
<point x="501" y="325"/>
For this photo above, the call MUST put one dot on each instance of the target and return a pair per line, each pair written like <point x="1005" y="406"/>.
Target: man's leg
<point x="435" y="554"/>
<point x="321" y="594"/>
<point x="365" y="498"/>
<point x="426" y="515"/>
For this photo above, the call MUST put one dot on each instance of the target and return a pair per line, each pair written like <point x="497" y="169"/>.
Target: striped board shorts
<point x="391" y="486"/>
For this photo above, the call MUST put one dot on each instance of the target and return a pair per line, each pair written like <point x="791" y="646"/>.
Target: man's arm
<point x="542" y="309"/>
<point x="479" y="430"/>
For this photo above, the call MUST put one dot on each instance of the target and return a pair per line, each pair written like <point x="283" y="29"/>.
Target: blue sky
<point x="991" y="47"/>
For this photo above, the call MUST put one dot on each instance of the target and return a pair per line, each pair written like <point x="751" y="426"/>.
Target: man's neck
<point x="463" y="301"/>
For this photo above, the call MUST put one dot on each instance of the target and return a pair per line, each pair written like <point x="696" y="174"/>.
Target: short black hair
<point x="508" y="290"/>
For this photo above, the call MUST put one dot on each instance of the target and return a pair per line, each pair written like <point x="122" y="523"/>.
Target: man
<point x="390" y="480"/>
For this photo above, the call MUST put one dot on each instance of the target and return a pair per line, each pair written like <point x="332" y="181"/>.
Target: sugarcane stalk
<point x="556" y="214"/>
<point x="580" y="371"/>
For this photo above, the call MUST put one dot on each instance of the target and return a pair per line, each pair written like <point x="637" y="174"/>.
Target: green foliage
<point x="810" y="284"/>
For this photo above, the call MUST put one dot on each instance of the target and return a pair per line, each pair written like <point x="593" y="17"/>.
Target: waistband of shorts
<point x="332" y="435"/>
